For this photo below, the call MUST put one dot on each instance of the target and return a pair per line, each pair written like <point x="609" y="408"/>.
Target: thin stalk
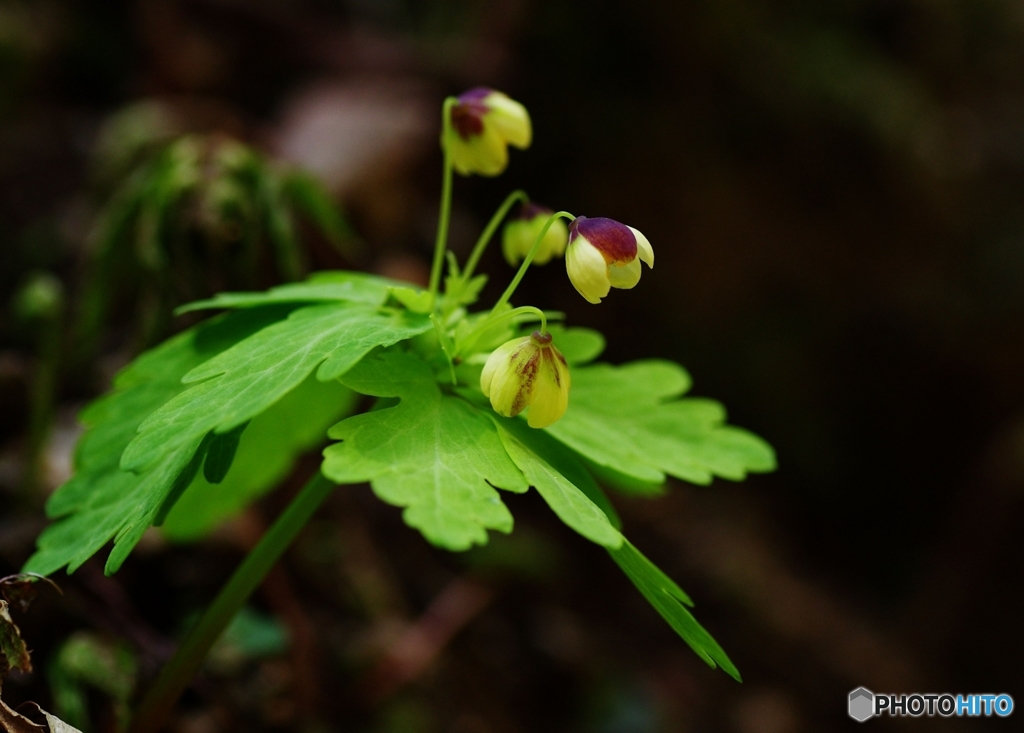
<point x="469" y="341"/>
<point x="529" y="259"/>
<point x="179" y="671"/>
<point x="441" y="243"/>
<point x="488" y="233"/>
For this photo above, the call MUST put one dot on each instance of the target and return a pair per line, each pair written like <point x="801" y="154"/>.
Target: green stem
<point x="518" y="312"/>
<point x="441" y="244"/>
<point x="469" y="341"/>
<point x="492" y="225"/>
<point x="529" y="259"/>
<point x="179" y="671"/>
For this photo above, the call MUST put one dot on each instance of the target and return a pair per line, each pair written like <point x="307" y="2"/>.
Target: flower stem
<point x="441" y="244"/>
<point x="529" y="258"/>
<point x="467" y="344"/>
<point x="178" y="672"/>
<point x="488" y="233"/>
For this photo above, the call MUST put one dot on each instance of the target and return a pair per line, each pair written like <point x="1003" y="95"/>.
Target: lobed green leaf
<point x="355" y="287"/>
<point x="578" y="502"/>
<point x="433" y="454"/>
<point x="266" y="454"/>
<point x="101" y="502"/>
<point x="670" y="601"/>
<point x="626" y="420"/>
<point x="247" y="378"/>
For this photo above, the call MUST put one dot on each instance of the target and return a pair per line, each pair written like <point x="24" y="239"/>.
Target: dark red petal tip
<point x="541" y="339"/>
<point x="530" y="210"/>
<point x="475" y="94"/>
<point x="613" y="240"/>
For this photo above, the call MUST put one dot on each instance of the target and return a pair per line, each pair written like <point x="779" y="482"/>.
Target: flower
<point x="522" y="231"/>
<point x="527" y="372"/>
<point x="483" y="124"/>
<point x="604" y="254"/>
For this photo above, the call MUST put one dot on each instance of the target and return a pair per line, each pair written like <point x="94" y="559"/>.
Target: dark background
<point x="835" y="194"/>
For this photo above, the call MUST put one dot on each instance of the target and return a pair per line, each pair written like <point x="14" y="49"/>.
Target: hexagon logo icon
<point x="862" y="704"/>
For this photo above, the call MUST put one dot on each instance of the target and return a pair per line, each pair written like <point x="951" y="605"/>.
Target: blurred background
<point x="835" y="192"/>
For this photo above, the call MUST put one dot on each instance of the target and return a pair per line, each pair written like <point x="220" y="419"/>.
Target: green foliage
<point x="250" y="376"/>
<point x="561" y="480"/>
<point x="266" y="454"/>
<point x="355" y="287"/>
<point x="101" y="501"/>
<point x="88" y="660"/>
<point x="670" y="601"/>
<point x="206" y="422"/>
<point x="251" y="635"/>
<point x="435" y="455"/>
<point x="192" y="216"/>
<point x="578" y="345"/>
<point x="624" y="418"/>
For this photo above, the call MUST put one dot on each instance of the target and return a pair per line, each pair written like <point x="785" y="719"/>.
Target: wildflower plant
<point x="470" y="403"/>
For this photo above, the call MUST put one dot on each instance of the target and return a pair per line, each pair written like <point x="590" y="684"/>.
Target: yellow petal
<point x="551" y="392"/>
<point x="514" y="376"/>
<point x="554" y="241"/>
<point x="510" y="118"/>
<point x="485" y="153"/>
<point x="516" y="240"/>
<point x="624" y="276"/>
<point x="644" y="250"/>
<point x="499" y="358"/>
<point x="587" y="270"/>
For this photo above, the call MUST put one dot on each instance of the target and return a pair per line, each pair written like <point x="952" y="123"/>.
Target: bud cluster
<point x="600" y="254"/>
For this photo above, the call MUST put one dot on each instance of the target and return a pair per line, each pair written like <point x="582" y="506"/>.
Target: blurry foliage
<point x="39" y="305"/>
<point x="89" y="661"/>
<point x="251" y="636"/>
<point x="201" y="214"/>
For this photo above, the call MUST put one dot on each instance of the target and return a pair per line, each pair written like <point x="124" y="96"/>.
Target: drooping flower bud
<point x="604" y="254"/>
<point x="527" y="372"/>
<point x="483" y="124"/>
<point x="522" y="231"/>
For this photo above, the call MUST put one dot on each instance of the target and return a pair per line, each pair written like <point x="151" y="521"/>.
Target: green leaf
<point x="251" y="635"/>
<point x="579" y="502"/>
<point x="459" y="292"/>
<point x="87" y="660"/>
<point x="578" y="345"/>
<point x="220" y="453"/>
<point x="669" y="599"/>
<point x="101" y="501"/>
<point x="246" y="379"/>
<point x="310" y="197"/>
<point x="355" y="287"/>
<point x="415" y="299"/>
<point x="624" y="418"/>
<point x="433" y="454"/>
<point x="279" y="224"/>
<point x="266" y="454"/>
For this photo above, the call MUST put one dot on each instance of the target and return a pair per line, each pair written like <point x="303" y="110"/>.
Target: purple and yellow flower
<point x="604" y="254"/>
<point x="522" y="231"/>
<point x="483" y="124"/>
<point x="527" y="372"/>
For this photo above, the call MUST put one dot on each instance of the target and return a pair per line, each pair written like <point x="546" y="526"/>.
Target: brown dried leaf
<point x="13" y="653"/>
<point x="12" y="722"/>
<point x="20" y="590"/>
